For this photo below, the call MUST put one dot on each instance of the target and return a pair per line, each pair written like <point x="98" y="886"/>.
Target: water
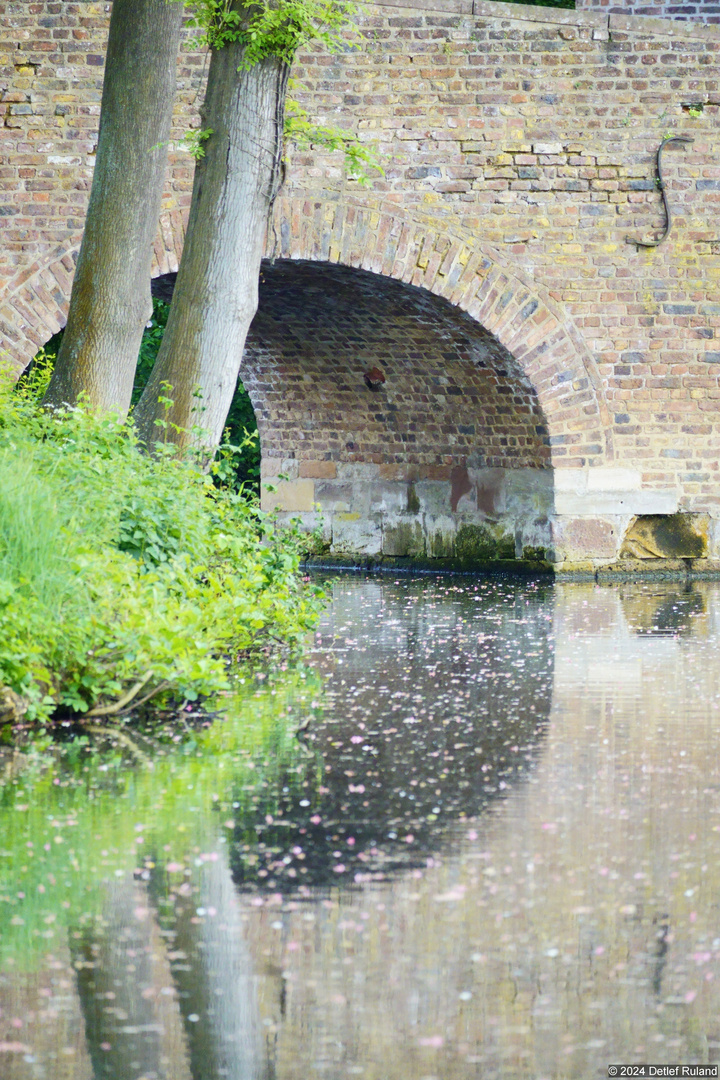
<point x="492" y="851"/>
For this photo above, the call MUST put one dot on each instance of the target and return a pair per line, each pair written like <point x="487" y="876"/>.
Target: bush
<point x="240" y="438"/>
<point x="123" y="576"/>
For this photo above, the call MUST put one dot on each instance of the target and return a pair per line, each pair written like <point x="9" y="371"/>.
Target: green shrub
<point x="241" y="443"/>
<point x="122" y="573"/>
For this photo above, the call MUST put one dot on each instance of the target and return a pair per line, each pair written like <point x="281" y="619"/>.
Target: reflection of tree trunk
<point x="51" y="1042"/>
<point x="212" y="971"/>
<point x="131" y="1021"/>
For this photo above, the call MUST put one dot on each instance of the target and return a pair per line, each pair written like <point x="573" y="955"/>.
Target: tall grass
<point x="33" y="546"/>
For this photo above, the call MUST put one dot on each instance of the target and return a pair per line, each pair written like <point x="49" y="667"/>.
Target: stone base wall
<point x="583" y="522"/>
<point x="475" y="515"/>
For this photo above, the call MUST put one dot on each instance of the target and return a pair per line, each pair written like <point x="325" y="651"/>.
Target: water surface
<point x="493" y="850"/>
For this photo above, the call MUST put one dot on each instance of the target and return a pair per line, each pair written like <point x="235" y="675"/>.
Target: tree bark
<point x="216" y="292"/>
<point x="110" y="301"/>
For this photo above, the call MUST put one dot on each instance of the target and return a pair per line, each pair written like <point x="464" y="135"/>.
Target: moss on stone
<point x="666" y="536"/>
<point x="413" y="502"/>
<point x="478" y="544"/>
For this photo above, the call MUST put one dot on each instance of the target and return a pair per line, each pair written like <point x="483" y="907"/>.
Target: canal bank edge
<point x="630" y="570"/>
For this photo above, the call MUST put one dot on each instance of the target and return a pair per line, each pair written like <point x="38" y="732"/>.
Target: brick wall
<point x="519" y="151"/>
<point x="700" y="10"/>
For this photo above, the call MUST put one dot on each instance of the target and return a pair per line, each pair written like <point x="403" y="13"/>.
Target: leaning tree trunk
<point x="216" y="292"/>
<point x="110" y="302"/>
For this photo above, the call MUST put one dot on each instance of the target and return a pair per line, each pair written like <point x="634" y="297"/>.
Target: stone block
<point x="322" y="470"/>
<point x="291" y="495"/>
<point x="528" y="493"/>
<point x="593" y="503"/>
<point x="276" y="466"/>
<point x="440" y="536"/>
<point x="433" y="497"/>
<point x="357" y="470"/>
<point x="613" y="478"/>
<point x="667" y="536"/>
<point x="386" y="496"/>
<point x="483" y="543"/>
<point x="488" y="491"/>
<point x="403" y="535"/>
<point x="586" y="540"/>
<point x="334" y="496"/>
<point x="355" y="534"/>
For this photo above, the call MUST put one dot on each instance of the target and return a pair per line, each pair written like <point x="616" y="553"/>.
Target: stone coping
<point x="593" y="20"/>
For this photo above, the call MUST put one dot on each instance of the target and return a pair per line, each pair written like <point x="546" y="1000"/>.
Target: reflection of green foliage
<point x="72" y="817"/>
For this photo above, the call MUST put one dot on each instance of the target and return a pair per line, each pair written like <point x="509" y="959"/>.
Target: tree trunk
<point x="110" y="302"/>
<point x="216" y="292"/>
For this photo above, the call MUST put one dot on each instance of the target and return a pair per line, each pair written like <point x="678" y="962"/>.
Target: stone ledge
<point x="449" y="7"/>
<point x="630" y="570"/>
<point x="646" y="25"/>
<point x="525" y="13"/>
<point x="650" y="25"/>
<point x="487" y="9"/>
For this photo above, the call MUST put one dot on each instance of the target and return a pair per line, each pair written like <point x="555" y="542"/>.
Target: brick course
<point x="519" y="152"/>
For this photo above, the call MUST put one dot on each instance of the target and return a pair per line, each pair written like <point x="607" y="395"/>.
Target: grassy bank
<point x="124" y="576"/>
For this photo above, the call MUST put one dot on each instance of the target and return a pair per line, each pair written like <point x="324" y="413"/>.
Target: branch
<point x="112" y="710"/>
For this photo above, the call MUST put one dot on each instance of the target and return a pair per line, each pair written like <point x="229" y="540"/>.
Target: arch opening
<point x="448" y="457"/>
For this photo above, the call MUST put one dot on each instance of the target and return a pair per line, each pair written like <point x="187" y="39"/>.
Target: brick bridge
<point x="548" y="384"/>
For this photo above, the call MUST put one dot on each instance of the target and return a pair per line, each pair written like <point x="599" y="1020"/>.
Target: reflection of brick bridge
<point x="545" y="380"/>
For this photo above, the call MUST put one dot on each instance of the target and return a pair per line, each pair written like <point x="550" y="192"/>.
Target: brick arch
<point x="35" y="303"/>
<point x="513" y="309"/>
<point x="475" y="279"/>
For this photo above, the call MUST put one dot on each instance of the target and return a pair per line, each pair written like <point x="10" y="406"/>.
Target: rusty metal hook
<point x="661" y="183"/>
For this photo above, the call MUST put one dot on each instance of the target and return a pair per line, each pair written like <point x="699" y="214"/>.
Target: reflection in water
<point x="664" y="609"/>
<point x="436" y="701"/>
<point x="494" y="854"/>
